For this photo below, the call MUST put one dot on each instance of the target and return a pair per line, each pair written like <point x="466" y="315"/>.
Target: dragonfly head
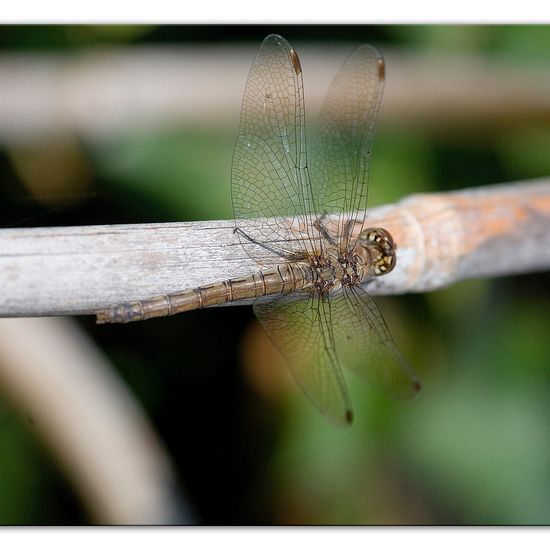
<point x="379" y="248"/>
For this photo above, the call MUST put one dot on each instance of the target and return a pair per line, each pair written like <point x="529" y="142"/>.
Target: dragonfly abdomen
<point x="281" y="279"/>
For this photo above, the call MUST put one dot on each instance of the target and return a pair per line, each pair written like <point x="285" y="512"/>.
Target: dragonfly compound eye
<point x="381" y="249"/>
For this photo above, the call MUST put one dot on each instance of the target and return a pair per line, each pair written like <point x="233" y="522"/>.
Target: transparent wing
<point x="341" y="149"/>
<point x="269" y="173"/>
<point x="317" y="335"/>
<point x="301" y="330"/>
<point x="365" y="346"/>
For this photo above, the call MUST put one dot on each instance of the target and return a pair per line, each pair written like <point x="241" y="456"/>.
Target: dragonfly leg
<point x="281" y="253"/>
<point x="318" y="224"/>
<point x="347" y="230"/>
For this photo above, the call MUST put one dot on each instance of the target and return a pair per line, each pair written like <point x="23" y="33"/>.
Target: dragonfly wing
<point x="302" y="331"/>
<point x="269" y="176"/>
<point x="341" y="148"/>
<point x="365" y="346"/>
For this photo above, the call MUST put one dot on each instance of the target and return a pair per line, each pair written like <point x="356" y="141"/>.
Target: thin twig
<point x="441" y="238"/>
<point x="93" y="93"/>
<point x="71" y="396"/>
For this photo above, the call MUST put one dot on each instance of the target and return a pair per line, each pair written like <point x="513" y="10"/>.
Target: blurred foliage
<point x="154" y="166"/>
<point x="474" y="447"/>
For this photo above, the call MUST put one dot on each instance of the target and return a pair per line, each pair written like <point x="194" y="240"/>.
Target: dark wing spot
<point x="381" y="70"/>
<point x="349" y="416"/>
<point x="295" y="61"/>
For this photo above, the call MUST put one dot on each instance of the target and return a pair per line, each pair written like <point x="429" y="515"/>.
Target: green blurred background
<point x="248" y="448"/>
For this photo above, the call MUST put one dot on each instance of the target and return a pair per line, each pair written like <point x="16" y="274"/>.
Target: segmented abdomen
<point x="282" y="279"/>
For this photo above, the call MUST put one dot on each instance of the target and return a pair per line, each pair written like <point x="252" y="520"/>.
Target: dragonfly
<point x="308" y="294"/>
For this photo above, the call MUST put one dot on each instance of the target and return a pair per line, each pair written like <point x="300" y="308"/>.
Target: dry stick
<point x="441" y="238"/>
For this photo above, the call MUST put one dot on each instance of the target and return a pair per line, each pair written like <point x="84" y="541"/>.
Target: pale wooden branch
<point x="94" y="93"/>
<point x="70" y="394"/>
<point x="441" y="238"/>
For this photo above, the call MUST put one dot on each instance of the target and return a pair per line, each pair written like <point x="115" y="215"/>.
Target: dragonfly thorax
<point x="351" y="269"/>
<point x="324" y="272"/>
<point x="373" y="255"/>
<point x="332" y="271"/>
